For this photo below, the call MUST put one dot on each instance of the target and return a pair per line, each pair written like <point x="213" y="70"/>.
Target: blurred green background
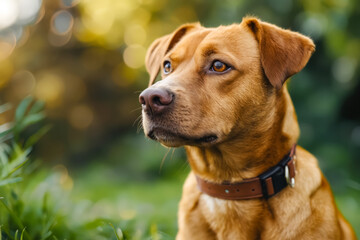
<point x="85" y="60"/>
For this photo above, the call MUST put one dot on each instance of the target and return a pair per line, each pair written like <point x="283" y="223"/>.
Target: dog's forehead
<point x="188" y="44"/>
<point x="233" y="38"/>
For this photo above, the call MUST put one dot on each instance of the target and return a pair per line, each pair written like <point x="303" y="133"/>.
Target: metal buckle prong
<point x="290" y="181"/>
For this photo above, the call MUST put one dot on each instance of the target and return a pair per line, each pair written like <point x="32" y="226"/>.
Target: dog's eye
<point x="218" y="66"/>
<point x="167" y="67"/>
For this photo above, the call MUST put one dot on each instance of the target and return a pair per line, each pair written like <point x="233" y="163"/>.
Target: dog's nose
<point x="155" y="100"/>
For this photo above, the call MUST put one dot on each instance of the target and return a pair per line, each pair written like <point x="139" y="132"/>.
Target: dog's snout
<point x="155" y="101"/>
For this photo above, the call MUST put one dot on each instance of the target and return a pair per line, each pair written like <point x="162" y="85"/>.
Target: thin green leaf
<point x="3" y="108"/>
<point x="17" y="150"/>
<point x="46" y="235"/>
<point x="118" y="234"/>
<point x="10" y="180"/>
<point x="13" y="215"/>
<point x="95" y="223"/>
<point x="154" y="232"/>
<point x="3" y="133"/>
<point x="4" y="150"/>
<point x="46" y="226"/>
<point x="22" y="234"/>
<point x="36" y="136"/>
<point x="44" y="203"/>
<point x="29" y="120"/>
<point x="21" y="109"/>
<point x="16" y="234"/>
<point x="5" y="138"/>
<point x="37" y="107"/>
<point x="17" y="163"/>
<point x="5" y="129"/>
<point x="14" y="195"/>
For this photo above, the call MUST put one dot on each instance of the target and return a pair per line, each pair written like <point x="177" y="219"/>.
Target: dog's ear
<point x="163" y="45"/>
<point x="282" y="52"/>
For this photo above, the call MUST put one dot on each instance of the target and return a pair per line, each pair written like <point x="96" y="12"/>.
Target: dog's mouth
<point x="173" y="139"/>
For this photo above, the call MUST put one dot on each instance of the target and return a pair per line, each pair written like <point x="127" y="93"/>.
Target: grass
<point x="141" y="205"/>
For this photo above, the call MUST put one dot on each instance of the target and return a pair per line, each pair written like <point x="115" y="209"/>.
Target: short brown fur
<point x="251" y="113"/>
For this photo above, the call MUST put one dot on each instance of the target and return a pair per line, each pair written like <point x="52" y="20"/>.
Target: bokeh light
<point x="134" y="34"/>
<point x="69" y="3"/>
<point x="344" y="69"/>
<point x="97" y="17"/>
<point x="28" y="10"/>
<point x="6" y="71"/>
<point x="7" y="44"/>
<point x="15" y="14"/>
<point x="50" y="88"/>
<point x="24" y="83"/>
<point x="9" y="12"/>
<point x="81" y="116"/>
<point x="134" y="56"/>
<point x="62" y="22"/>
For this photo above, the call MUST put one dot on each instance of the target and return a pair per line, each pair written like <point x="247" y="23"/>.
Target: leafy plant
<point x="23" y="214"/>
<point x="35" y="202"/>
<point x="14" y="156"/>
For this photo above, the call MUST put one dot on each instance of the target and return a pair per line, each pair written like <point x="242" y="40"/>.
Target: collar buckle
<point x="290" y="180"/>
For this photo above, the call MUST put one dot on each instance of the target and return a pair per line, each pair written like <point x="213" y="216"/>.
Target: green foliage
<point x="28" y="208"/>
<point x="36" y="203"/>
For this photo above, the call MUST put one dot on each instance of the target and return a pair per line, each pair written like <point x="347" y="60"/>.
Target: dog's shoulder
<point x="308" y="173"/>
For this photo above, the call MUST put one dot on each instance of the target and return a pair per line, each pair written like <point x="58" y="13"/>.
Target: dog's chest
<point x="214" y="205"/>
<point x="227" y="214"/>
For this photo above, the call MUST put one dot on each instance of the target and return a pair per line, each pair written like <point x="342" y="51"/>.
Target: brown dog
<point x="222" y="96"/>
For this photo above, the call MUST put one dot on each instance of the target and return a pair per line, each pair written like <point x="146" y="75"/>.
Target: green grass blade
<point x="21" y="109"/>
<point x="29" y="120"/>
<point x="46" y="235"/>
<point x="13" y="215"/>
<point x="4" y="158"/>
<point x="5" y="129"/>
<point x="3" y="108"/>
<point x="10" y="180"/>
<point x="22" y="234"/>
<point x="154" y="232"/>
<point x="118" y="234"/>
<point x="37" y="107"/>
<point x="16" y="234"/>
<point x="36" y="136"/>
<point x="17" y="163"/>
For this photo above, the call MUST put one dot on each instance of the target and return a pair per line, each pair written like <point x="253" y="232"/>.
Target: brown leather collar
<point x="265" y="185"/>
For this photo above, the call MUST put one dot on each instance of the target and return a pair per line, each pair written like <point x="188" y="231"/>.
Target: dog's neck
<point x="247" y="156"/>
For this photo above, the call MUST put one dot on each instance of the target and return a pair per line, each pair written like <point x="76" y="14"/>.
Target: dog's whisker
<point x="136" y="109"/>
<point x="139" y="126"/>
<point x="184" y="166"/>
<point x="163" y="160"/>
<point x="137" y="120"/>
<point x="139" y="129"/>
<point x="172" y="154"/>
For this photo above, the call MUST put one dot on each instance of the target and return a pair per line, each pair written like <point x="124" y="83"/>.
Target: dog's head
<point x="218" y="83"/>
